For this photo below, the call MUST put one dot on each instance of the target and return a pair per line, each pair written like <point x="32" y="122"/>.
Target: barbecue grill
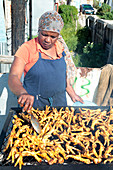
<point x="31" y="163"/>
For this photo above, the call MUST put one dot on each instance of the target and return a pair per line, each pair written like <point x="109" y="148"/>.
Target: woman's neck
<point x="51" y="53"/>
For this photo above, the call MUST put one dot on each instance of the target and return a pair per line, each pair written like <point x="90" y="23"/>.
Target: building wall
<point x="8" y="13"/>
<point x="38" y="8"/>
<point x="86" y="2"/>
<point x="76" y="3"/>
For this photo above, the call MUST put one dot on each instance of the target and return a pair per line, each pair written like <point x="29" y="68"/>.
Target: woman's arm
<point x="15" y="74"/>
<point x="72" y="93"/>
<point x="15" y="85"/>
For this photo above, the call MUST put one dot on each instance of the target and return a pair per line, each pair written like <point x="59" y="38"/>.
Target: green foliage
<point x="69" y="35"/>
<point x="33" y="36"/>
<point x="104" y="12"/>
<point x="93" y="55"/>
<point x="107" y="16"/>
<point x="76" y="60"/>
<point x="103" y="9"/>
<point x="87" y="54"/>
<point x="68" y="13"/>
<point x="106" y="7"/>
<point x="96" y="4"/>
<point x="84" y="36"/>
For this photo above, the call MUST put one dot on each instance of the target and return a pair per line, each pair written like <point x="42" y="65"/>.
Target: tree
<point x="17" y="24"/>
<point x="68" y="2"/>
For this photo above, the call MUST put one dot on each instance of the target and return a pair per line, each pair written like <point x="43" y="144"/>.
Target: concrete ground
<point x="2" y="121"/>
<point x="82" y="19"/>
<point x="7" y="99"/>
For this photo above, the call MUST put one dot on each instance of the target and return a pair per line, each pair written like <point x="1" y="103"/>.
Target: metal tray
<point x="7" y="165"/>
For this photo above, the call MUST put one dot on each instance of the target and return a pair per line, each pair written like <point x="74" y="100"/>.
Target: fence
<point x="102" y="32"/>
<point x="5" y="51"/>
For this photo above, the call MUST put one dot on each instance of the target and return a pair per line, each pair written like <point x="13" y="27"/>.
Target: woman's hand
<point x="26" y="101"/>
<point x="76" y="98"/>
<point x="72" y="93"/>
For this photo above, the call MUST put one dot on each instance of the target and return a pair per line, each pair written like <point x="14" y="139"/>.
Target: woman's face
<point x="47" y="39"/>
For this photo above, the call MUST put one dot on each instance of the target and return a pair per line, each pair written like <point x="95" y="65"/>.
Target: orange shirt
<point x="29" y="52"/>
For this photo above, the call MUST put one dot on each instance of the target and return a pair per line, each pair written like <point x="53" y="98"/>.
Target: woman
<point x="42" y="60"/>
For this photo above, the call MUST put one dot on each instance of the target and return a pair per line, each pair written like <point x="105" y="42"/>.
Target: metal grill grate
<point x="31" y="163"/>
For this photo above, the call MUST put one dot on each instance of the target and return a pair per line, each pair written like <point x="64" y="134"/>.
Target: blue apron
<point x="46" y="81"/>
